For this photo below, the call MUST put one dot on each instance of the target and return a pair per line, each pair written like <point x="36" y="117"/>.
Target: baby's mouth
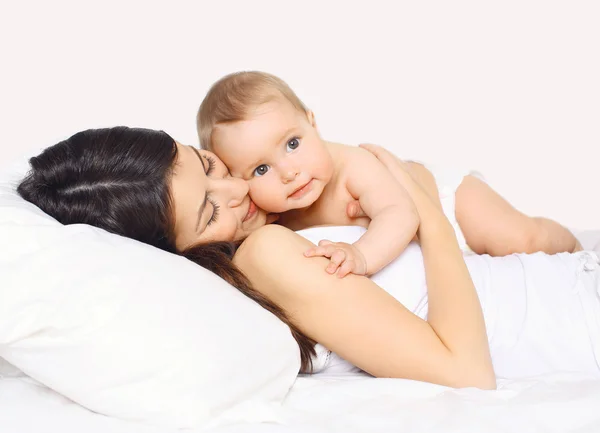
<point x="301" y="191"/>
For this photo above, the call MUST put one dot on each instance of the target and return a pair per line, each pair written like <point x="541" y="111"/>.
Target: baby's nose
<point x="289" y="175"/>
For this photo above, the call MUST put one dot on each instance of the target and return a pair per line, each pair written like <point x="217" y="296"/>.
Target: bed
<point x="501" y="87"/>
<point x="318" y="403"/>
<point x="562" y="403"/>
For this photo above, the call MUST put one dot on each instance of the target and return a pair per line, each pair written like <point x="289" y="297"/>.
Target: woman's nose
<point x="233" y="190"/>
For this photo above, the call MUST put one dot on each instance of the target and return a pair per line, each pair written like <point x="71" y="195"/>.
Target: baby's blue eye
<point x="261" y="170"/>
<point x="292" y="144"/>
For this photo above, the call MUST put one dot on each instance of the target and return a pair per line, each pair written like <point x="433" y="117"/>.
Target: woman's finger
<point x="386" y="157"/>
<point x="398" y="168"/>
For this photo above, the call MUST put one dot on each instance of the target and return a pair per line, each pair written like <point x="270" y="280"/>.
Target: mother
<point x="540" y="311"/>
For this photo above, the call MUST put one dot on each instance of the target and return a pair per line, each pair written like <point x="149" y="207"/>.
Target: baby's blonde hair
<point x="234" y="96"/>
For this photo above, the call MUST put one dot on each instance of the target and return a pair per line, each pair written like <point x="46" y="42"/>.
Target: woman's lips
<point x="251" y="211"/>
<point x="300" y="192"/>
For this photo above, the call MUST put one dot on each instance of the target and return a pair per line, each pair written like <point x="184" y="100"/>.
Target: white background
<point x="511" y="88"/>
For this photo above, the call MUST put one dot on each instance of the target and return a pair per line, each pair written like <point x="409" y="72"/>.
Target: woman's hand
<point x="397" y="168"/>
<point x="454" y="311"/>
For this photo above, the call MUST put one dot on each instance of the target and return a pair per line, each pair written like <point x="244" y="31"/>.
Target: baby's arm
<point x="394" y="219"/>
<point x="491" y="225"/>
<point x="419" y="173"/>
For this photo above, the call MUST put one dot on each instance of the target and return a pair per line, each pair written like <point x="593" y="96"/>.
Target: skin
<point x="198" y="174"/>
<point x="385" y="339"/>
<point x="292" y="171"/>
<point x="276" y="161"/>
<point x="229" y="213"/>
<point x="365" y="325"/>
<point x="490" y="224"/>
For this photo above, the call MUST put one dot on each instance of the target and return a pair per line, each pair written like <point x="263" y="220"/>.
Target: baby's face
<point x="280" y="153"/>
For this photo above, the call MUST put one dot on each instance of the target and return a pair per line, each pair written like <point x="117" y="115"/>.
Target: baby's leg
<point x="491" y="225"/>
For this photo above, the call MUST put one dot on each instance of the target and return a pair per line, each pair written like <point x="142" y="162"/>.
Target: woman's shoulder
<point x="264" y="236"/>
<point x="275" y="238"/>
<point x="273" y="259"/>
<point x="266" y="245"/>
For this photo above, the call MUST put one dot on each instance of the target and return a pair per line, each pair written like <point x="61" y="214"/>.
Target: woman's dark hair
<point x="118" y="179"/>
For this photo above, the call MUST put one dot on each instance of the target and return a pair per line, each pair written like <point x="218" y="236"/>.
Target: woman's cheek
<point x="232" y="229"/>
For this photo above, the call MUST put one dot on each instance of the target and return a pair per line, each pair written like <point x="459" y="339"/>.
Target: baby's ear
<point x="311" y="118"/>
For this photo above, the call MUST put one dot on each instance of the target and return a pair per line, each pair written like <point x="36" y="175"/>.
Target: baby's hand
<point x="344" y="258"/>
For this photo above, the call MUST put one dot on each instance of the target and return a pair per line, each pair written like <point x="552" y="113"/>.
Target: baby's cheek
<point x="266" y="195"/>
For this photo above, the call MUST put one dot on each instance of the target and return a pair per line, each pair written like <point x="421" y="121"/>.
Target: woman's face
<point x="209" y="204"/>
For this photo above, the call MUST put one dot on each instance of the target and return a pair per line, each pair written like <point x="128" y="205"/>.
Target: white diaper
<point x="448" y="180"/>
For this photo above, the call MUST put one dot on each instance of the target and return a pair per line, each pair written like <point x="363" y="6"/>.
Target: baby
<point x="262" y="131"/>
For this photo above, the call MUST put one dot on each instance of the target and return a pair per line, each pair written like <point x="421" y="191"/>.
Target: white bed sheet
<point x="556" y="403"/>
<point x="354" y="403"/>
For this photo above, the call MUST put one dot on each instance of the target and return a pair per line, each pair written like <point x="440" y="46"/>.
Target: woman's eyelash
<point x="215" y="213"/>
<point x="211" y="164"/>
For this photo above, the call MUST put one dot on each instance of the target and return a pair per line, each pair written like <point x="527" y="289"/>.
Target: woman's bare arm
<point x="364" y="324"/>
<point x="454" y="308"/>
<point x="351" y="316"/>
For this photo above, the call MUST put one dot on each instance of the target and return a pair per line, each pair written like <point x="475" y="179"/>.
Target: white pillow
<point x="133" y="332"/>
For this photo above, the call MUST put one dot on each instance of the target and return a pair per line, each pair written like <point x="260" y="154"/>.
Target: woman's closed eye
<point x="215" y="212"/>
<point x="215" y="207"/>
<point x="211" y="164"/>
